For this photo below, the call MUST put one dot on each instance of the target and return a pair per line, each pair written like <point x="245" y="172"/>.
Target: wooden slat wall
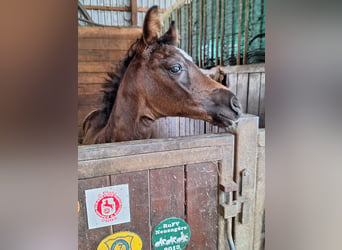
<point x="248" y="83"/>
<point x="99" y="49"/>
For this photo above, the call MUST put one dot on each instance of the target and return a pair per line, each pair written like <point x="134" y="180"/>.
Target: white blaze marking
<point x="186" y="55"/>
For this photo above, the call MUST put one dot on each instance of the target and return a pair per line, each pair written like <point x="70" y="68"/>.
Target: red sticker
<point x="107" y="206"/>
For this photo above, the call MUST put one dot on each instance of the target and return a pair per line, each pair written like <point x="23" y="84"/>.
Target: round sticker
<point x="171" y="234"/>
<point x="121" y="240"/>
<point x="108" y="205"/>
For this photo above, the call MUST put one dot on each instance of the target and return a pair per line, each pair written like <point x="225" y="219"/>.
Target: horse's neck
<point x="125" y="122"/>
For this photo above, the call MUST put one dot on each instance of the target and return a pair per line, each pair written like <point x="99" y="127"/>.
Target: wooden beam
<point x="112" y="8"/>
<point x="134" y="13"/>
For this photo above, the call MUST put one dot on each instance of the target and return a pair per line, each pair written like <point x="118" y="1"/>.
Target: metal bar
<point x="190" y="28"/>
<point x="246" y="32"/>
<point x="204" y="30"/>
<point x="187" y="28"/>
<point x="230" y="225"/>
<point x="84" y="12"/>
<point x="200" y="34"/>
<point x="93" y="23"/>
<point x="222" y="34"/>
<point x="217" y="28"/>
<point x="239" y="34"/>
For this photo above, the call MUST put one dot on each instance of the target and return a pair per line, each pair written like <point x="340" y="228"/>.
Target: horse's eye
<point x="175" y="68"/>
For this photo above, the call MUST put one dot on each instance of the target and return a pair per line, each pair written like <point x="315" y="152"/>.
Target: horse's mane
<point x="111" y="86"/>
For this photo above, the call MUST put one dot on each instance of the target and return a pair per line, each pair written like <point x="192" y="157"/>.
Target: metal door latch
<point x="239" y="205"/>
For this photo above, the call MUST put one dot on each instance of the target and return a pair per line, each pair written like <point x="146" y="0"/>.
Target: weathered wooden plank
<point x="89" y="239"/>
<point x="100" y="167"/>
<point x="182" y="126"/>
<point x="101" y="55"/>
<point x="249" y="68"/>
<point x="259" y="236"/>
<point x="90" y="100"/>
<point x="262" y="101"/>
<point x="89" y="78"/>
<point x="109" y="32"/>
<point x="245" y="160"/>
<point x="138" y="183"/>
<point x="167" y="194"/>
<point x="173" y="126"/>
<point x="226" y="177"/>
<point x="232" y="82"/>
<point x="242" y="90"/>
<point x="161" y="129"/>
<point x="253" y="93"/>
<point x="104" y="43"/>
<point x="201" y="205"/>
<point x="120" y="149"/>
<point x="88" y="89"/>
<point x="191" y="127"/>
<point x="94" y="67"/>
<point x="117" y="8"/>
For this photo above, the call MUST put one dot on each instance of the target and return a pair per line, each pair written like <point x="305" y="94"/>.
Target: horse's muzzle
<point x="223" y="106"/>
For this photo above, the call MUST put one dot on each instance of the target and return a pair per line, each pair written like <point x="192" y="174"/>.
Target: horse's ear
<point x="152" y="25"/>
<point x="171" y="36"/>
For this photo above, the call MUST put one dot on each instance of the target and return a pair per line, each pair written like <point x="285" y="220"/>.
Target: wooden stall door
<point x="184" y="177"/>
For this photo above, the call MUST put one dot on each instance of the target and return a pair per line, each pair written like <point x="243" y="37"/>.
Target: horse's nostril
<point x="235" y="104"/>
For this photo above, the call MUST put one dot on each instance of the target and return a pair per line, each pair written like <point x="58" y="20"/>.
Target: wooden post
<point x="246" y="33"/>
<point x="134" y="12"/>
<point x="245" y="165"/>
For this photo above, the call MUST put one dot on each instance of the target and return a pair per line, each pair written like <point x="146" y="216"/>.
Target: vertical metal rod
<point x="230" y="225"/>
<point x="217" y="26"/>
<point x="204" y="31"/>
<point x="239" y="34"/>
<point x="217" y="30"/>
<point x="222" y="35"/>
<point x="200" y="33"/>
<point x="190" y="28"/>
<point x="187" y="28"/>
<point x="246" y="32"/>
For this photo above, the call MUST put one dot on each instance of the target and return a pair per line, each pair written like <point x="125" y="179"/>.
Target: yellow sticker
<point x="121" y="240"/>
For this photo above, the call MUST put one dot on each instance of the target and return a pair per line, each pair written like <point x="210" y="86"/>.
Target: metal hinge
<point x="239" y="205"/>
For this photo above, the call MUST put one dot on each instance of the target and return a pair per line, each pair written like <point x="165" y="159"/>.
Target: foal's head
<point x="158" y="80"/>
<point x="173" y="85"/>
